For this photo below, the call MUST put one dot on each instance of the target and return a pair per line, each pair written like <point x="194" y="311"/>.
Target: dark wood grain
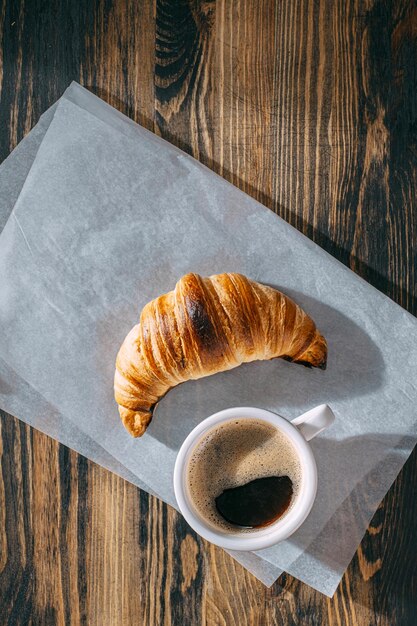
<point x="310" y="107"/>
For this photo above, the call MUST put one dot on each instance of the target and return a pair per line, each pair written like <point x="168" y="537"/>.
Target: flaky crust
<point x="205" y="326"/>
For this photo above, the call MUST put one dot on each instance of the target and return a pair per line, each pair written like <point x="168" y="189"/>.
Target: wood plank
<point x="310" y="108"/>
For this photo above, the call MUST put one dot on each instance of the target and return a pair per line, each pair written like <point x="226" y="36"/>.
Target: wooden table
<point x="308" y="106"/>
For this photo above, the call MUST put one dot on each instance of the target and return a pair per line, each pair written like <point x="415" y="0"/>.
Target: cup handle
<point x="314" y="421"/>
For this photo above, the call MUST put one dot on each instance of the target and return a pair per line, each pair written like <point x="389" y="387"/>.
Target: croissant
<point x="205" y="326"/>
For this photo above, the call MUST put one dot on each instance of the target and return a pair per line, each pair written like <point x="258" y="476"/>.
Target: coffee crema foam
<point x="233" y="454"/>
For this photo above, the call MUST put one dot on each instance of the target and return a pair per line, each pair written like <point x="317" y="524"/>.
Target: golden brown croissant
<point x="204" y="326"/>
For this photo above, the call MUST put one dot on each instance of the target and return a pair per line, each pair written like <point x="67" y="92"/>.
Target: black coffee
<point x="258" y="503"/>
<point x="243" y="475"/>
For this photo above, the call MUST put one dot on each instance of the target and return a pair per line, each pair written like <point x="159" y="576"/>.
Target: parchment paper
<point x="24" y="401"/>
<point x="109" y="217"/>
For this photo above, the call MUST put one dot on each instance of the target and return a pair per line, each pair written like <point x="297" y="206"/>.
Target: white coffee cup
<point x="299" y="431"/>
